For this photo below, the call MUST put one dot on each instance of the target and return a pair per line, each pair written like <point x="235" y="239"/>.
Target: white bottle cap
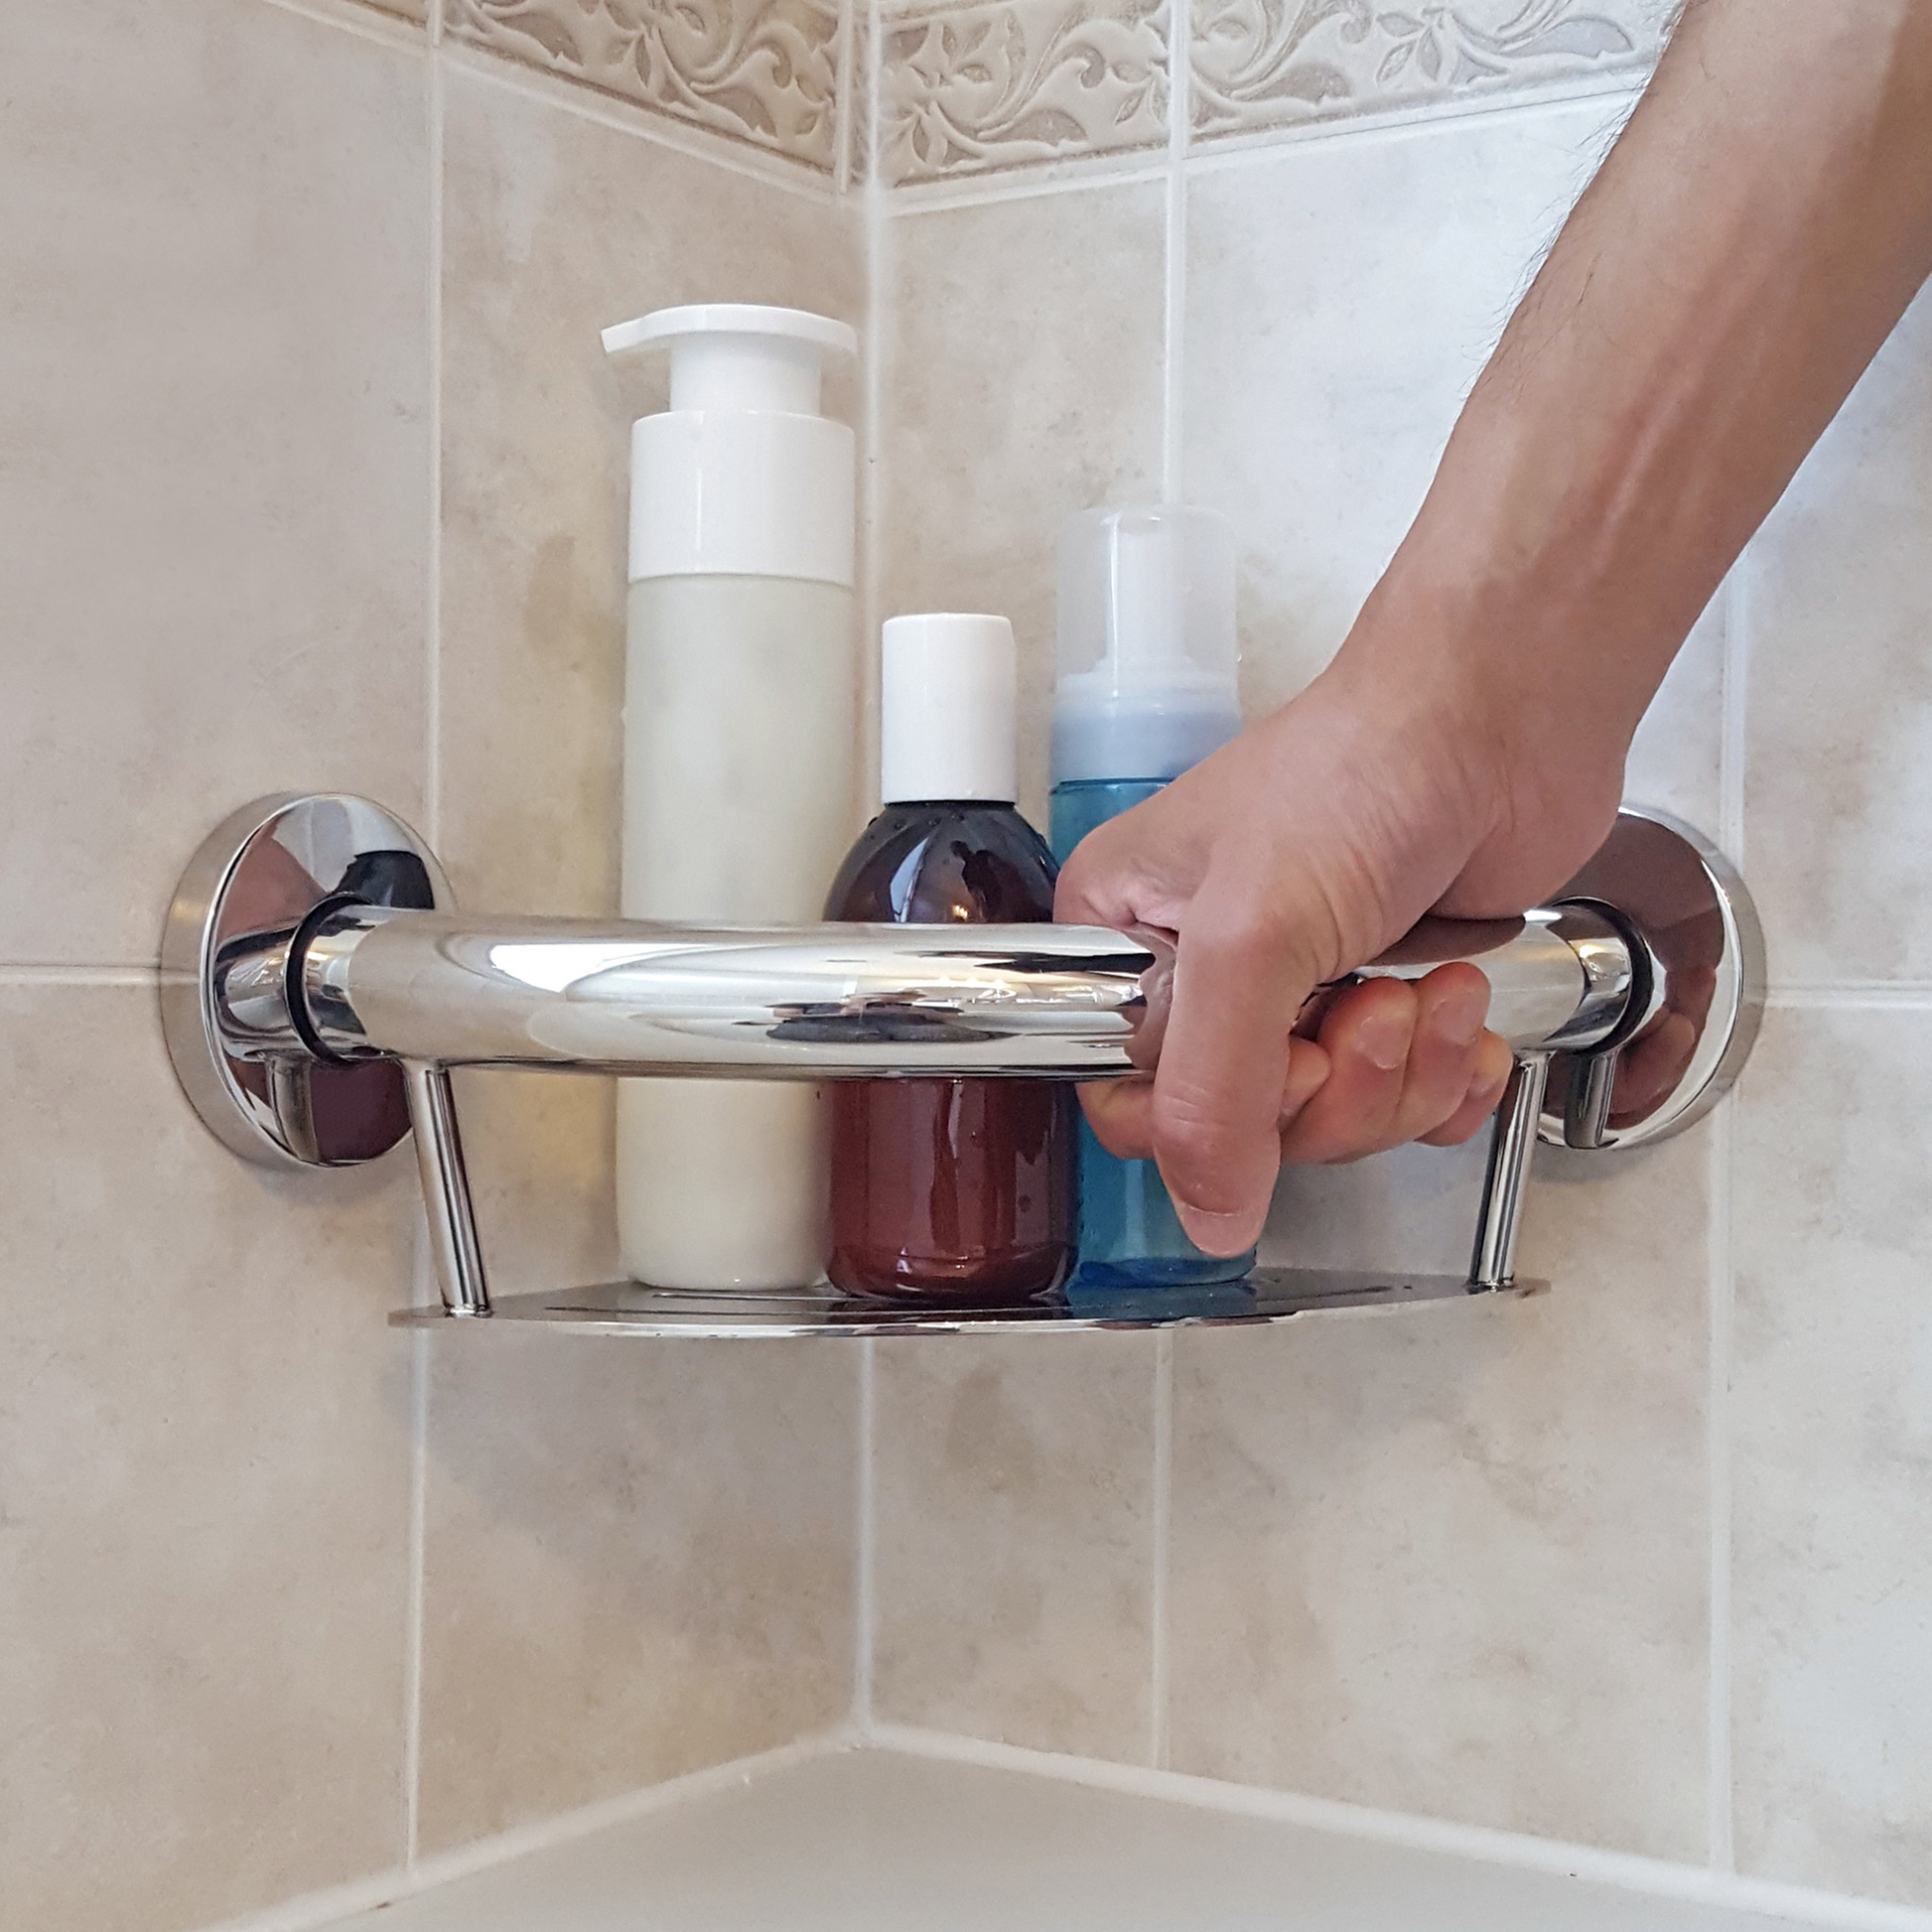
<point x="741" y="477"/>
<point x="948" y="692"/>
<point x="1148" y="654"/>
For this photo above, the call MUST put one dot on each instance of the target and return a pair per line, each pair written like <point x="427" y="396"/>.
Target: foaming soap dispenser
<point x="958" y="1191"/>
<point x="739" y="757"/>
<point x="1148" y="686"/>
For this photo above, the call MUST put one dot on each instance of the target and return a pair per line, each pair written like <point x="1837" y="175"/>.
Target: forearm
<point x="1751" y="239"/>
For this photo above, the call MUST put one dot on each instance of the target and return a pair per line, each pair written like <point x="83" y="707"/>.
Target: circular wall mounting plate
<point x="262" y="872"/>
<point x="1699" y="990"/>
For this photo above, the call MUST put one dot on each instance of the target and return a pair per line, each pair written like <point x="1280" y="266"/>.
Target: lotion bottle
<point x="958" y="1191"/>
<point x="739" y="768"/>
<point x="1148" y="663"/>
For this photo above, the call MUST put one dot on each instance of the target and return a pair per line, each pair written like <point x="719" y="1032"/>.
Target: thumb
<point x="1240" y="978"/>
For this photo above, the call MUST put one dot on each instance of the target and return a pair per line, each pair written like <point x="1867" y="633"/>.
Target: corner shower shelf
<point x="316" y="988"/>
<point x="1268" y="1294"/>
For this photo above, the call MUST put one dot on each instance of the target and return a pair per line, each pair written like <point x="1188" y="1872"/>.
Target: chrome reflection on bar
<point x="815" y="1002"/>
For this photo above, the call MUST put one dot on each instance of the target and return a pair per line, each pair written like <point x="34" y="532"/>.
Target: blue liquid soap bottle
<point x="1148" y="663"/>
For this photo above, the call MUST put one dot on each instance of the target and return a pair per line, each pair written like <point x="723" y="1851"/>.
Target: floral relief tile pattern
<point x="1260" y="63"/>
<point x="763" y="71"/>
<point x="971" y="89"/>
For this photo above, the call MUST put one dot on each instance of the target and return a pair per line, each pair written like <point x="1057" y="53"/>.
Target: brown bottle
<point x="949" y="1191"/>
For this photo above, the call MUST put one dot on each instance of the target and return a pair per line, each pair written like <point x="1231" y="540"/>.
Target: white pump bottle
<point x="738" y="758"/>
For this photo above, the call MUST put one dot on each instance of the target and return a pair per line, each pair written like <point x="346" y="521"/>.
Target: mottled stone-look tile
<point x="215" y="451"/>
<point x="1676" y="759"/>
<point x="1838" y="592"/>
<point x="557" y="226"/>
<point x="1454" y="1559"/>
<point x="203" y="1496"/>
<point x="1832" y="1565"/>
<point x="640" y="1561"/>
<point x="538" y="1146"/>
<point x="1342" y="299"/>
<point x="1022" y="382"/>
<point x="1013" y="1545"/>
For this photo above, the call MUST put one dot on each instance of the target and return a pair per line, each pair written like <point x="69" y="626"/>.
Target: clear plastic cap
<point x="1149" y="662"/>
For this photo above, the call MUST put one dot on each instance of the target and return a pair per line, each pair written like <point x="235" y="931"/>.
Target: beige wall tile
<point x="214" y="455"/>
<point x="1022" y="382"/>
<point x="1831" y="1652"/>
<point x="556" y="226"/>
<point x="1454" y="1561"/>
<point x="1341" y="297"/>
<point x="539" y="1147"/>
<point x="203" y="1496"/>
<point x="1341" y="300"/>
<point x="1838" y="603"/>
<point x="1676" y="759"/>
<point x="1013" y="1562"/>
<point x="640" y="1561"/>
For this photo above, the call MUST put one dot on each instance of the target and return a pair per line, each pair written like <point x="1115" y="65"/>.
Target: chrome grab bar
<point x="316" y="988"/>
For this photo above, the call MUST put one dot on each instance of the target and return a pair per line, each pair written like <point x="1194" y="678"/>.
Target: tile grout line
<point x="864" y="1620"/>
<point x="334" y="1907"/>
<point x="694" y="141"/>
<point x="1235" y="148"/>
<point x="873" y="217"/>
<point x="842" y="101"/>
<point x="412" y="1730"/>
<point x="1096" y="173"/>
<point x="418" y="1593"/>
<point x="374" y="24"/>
<point x="433" y="641"/>
<point x="1078" y="174"/>
<point x="1718" y="1802"/>
<point x="1636" y="1872"/>
<point x="52" y="973"/>
<point x="1175" y="289"/>
<point x="1158" y="1668"/>
<point x="872" y="404"/>
<point x="1852" y="996"/>
<point x="1732" y="745"/>
<point x="1719" y="1771"/>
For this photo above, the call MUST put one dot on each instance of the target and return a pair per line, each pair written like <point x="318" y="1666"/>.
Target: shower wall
<point x="310" y="477"/>
<point x="1640" y="1563"/>
<point x="313" y="471"/>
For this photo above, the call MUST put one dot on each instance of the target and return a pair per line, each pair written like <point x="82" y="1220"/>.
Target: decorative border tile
<point x="1261" y="63"/>
<point x="763" y="71"/>
<point x="971" y="89"/>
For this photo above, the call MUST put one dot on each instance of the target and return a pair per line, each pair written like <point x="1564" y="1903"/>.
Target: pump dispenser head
<point x="739" y="354"/>
<point x="948" y="692"/>
<point x="741" y="477"/>
<point x="1148" y="654"/>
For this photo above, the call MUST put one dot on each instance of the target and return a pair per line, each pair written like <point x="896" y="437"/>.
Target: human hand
<point x="1293" y="855"/>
